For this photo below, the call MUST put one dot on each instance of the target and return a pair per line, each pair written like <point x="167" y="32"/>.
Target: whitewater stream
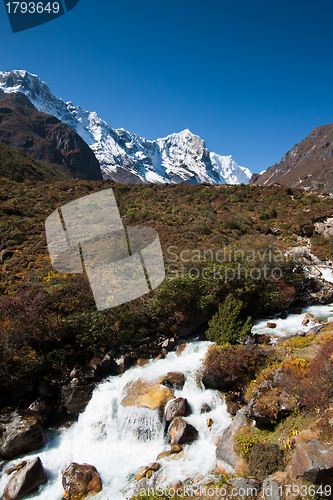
<point x="106" y="434"/>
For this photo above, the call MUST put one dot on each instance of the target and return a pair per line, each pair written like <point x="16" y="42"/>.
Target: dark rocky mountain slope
<point x="45" y="138"/>
<point x="308" y="164"/>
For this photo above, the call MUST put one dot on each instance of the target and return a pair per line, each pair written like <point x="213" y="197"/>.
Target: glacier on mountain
<point x="178" y="157"/>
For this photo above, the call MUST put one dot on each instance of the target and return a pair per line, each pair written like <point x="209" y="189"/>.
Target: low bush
<point x="265" y="459"/>
<point x="237" y="364"/>
<point x="316" y="388"/>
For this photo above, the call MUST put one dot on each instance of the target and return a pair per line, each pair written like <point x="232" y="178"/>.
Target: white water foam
<point x="117" y="440"/>
<point x="293" y="323"/>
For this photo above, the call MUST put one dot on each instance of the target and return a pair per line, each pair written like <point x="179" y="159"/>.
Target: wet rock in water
<point x="154" y="466"/>
<point x="145" y="394"/>
<point x="205" y="408"/>
<point x="271" y="401"/>
<point x="76" y="397"/>
<point x="182" y="432"/>
<point x="176" y="408"/>
<point x="80" y="480"/>
<point x="163" y="454"/>
<point x="271" y="325"/>
<point x="175" y="380"/>
<point x="180" y="349"/>
<point x="141" y="472"/>
<point x="297" y="310"/>
<point x="312" y="461"/>
<point x="141" y="362"/>
<point x="16" y="467"/>
<point x="176" y="448"/>
<point x="121" y="364"/>
<point x="26" y="480"/>
<point x="209" y="422"/>
<point x="20" y="432"/>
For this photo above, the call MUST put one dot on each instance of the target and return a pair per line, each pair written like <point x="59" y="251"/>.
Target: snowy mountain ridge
<point x="178" y="157"/>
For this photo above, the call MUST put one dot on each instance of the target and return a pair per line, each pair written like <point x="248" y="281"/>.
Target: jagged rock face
<point x="45" y="138"/>
<point x="307" y="164"/>
<point x="126" y="157"/>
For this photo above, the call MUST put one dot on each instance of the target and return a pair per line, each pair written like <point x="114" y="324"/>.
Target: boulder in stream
<point x="20" y="432"/>
<point x="182" y="432"/>
<point x="176" y="408"/>
<point x="175" y="380"/>
<point x="25" y="480"/>
<point x="76" y="397"/>
<point x="144" y="394"/>
<point x="80" y="480"/>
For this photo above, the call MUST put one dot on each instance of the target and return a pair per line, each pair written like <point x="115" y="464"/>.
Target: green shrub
<point x="265" y="459"/>
<point x="244" y="443"/>
<point x="228" y="325"/>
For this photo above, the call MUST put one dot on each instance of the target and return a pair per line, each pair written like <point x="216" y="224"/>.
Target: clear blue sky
<point x="252" y="78"/>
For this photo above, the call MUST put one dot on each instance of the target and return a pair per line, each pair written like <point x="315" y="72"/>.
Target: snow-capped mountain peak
<point x="178" y="157"/>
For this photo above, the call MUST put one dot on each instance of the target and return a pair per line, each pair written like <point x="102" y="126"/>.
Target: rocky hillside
<point x="45" y="138"/>
<point x="308" y="164"/>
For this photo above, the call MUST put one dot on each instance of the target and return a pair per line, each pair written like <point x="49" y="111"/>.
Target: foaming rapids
<point x="117" y="439"/>
<point x="142" y="423"/>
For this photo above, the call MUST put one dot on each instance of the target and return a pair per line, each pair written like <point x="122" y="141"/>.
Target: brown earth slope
<point x="308" y="164"/>
<point x="45" y="138"/>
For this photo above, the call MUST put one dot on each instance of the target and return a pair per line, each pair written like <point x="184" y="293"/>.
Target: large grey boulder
<point x="20" y="432"/>
<point x="312" y="461"/>
<point x="25" y="481"/>
<point x="226" y="457"/>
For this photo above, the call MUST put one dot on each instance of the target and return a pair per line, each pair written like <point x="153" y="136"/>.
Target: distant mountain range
<point x="308" y="164"/>
<point x="126" y="157"/>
